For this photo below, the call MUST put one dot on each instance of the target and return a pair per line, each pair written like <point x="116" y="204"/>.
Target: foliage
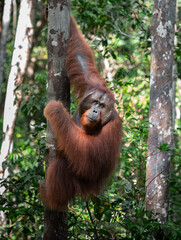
<point x="20" y="201"/>
<point x="119" y="32"/>
<point x="24" y="210"/>
<point x="118" y="218"/>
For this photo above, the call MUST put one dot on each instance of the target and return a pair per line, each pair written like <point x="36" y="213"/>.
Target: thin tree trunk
<point x="160" y="115"/>
<point x="4" y="37"/>
<point x="22" y="46"/>
<point x="14" y="15"/>
<point x="55" y="223"/>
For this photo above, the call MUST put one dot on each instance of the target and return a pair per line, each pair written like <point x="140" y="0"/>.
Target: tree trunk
<point x="160" y="115"/>
<point x="22" y="45"/>
<point x="55" y="223"/>
<point x="14" y="15"/>
<point x="4" y="37"/>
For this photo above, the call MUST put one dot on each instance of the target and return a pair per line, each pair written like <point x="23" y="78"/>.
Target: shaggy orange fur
<point x="84" y="161"/>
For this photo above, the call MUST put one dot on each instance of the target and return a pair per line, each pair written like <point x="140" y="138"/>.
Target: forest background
<point x="119" y="34"/>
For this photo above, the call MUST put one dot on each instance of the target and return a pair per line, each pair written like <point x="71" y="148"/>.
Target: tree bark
<point x="55" y="223"/>
<point x="160" y="112"/>
<point x="4" y="37"/>
<point x="22" y="46"/>
<point x="14" y="15"/>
